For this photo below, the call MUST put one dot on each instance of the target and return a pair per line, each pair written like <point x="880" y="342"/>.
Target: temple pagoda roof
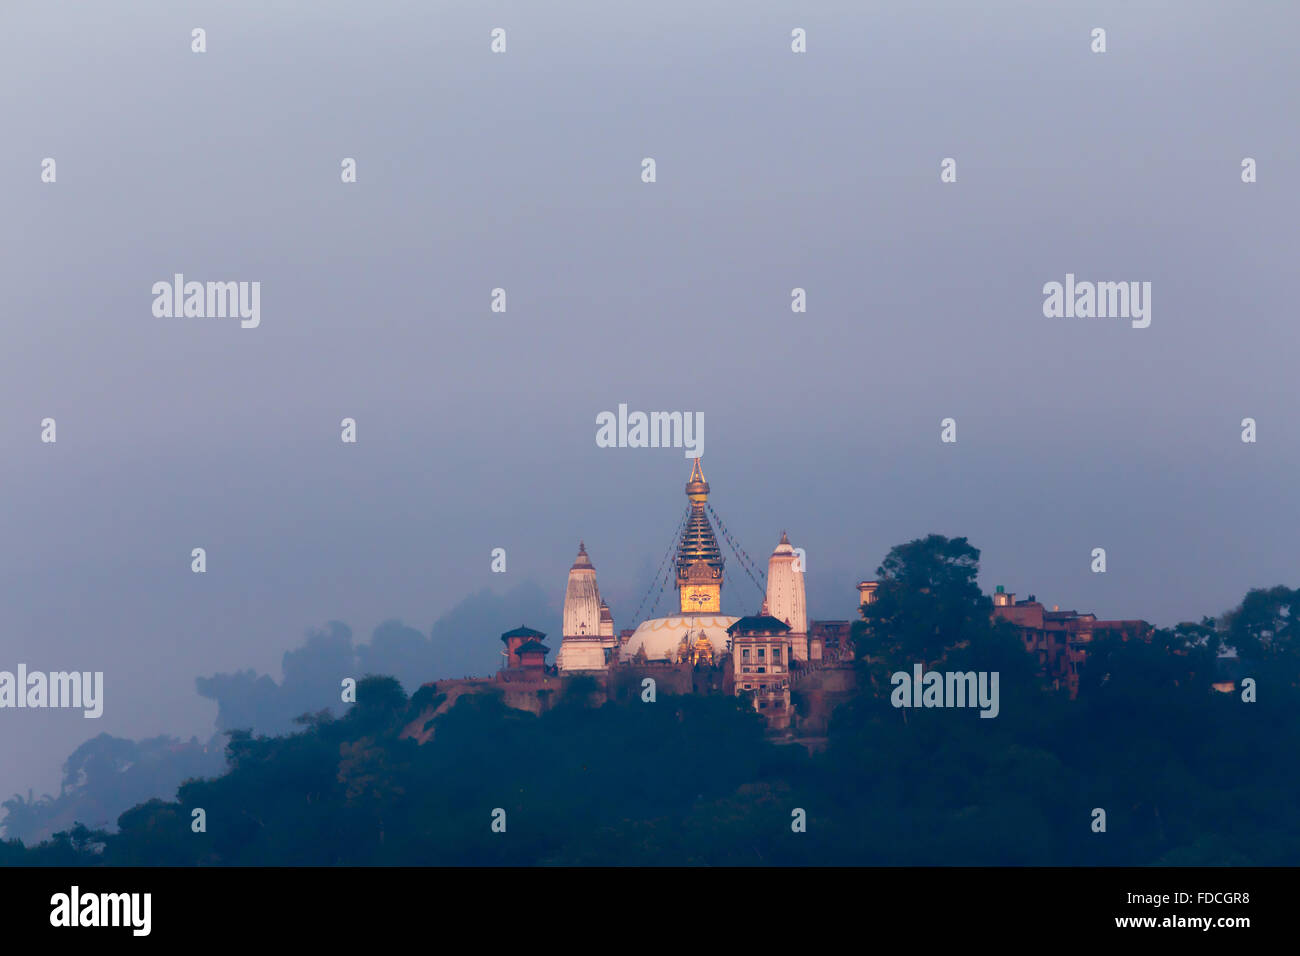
<point x="758" y="623"/>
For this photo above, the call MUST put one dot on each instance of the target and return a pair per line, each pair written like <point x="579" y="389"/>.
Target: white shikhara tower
<point x="785" y="596"/>
<point x="582" y="647"/>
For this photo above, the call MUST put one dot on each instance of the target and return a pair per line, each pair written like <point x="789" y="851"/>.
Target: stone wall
<point x="820" y="691"/>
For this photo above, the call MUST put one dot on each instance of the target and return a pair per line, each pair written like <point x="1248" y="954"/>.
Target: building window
<point x="744" y="654"/>
<point x="761" y="651"/>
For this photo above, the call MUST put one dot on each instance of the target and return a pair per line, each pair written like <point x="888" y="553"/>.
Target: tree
<point x="928" y="604"/>
<point x="1264" y="628"/>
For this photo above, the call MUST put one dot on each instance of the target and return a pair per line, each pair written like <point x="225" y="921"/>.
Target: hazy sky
<point x="522" y="170"/>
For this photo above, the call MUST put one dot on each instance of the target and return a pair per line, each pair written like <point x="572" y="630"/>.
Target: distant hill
<point x="107" y="775"/>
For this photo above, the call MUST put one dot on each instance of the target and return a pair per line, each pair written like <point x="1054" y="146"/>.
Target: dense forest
<point x="1185" y="774"/>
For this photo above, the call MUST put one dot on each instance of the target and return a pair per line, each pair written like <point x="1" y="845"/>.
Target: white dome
<point x="661" y="636"/>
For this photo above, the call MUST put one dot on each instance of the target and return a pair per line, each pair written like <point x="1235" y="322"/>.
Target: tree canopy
<point x="1185" y="774"/>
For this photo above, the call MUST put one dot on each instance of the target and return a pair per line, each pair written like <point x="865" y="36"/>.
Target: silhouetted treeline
<point x="108" y="775"/>
<point x="1185" y="774"/>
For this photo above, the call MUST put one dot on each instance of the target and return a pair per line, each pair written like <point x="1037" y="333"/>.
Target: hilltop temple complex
<point x="793" y="670"/>
<point x="699" y="633"/>
<point x="767" y="657"/>
<point x="756" y="656"/>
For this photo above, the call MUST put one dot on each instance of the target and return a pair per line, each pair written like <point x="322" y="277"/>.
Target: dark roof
<point x="758" y="622"/>
<point x="522" y="631"/>
<point x="531" y="646"/>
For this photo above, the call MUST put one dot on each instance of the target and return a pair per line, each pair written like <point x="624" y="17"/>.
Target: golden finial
<point x="697" y="489"/>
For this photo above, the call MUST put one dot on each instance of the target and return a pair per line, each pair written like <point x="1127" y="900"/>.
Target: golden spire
<point x="697" y="489"/>
<point x="699" y="559"/>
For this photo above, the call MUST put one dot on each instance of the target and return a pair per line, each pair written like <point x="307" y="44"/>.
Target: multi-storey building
<point x="1058" y="639"/>
<point x="760" y="665"/>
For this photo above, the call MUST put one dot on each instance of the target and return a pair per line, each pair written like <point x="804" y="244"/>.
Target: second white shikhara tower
<point x="785" y="595"/>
